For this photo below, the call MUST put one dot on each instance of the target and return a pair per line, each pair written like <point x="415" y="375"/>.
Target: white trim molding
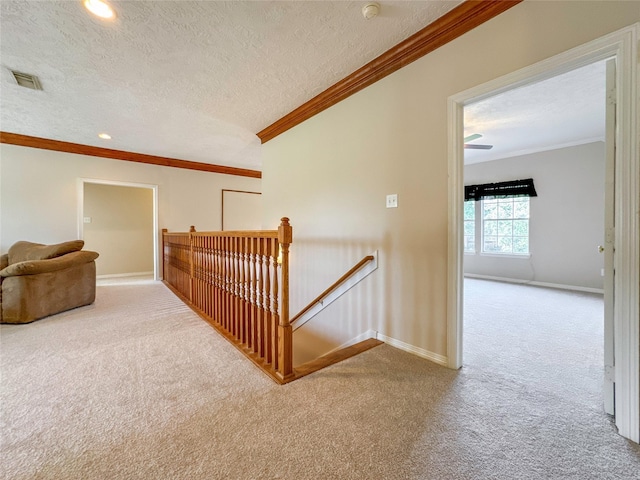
<point x="421" y="352"/>
<point x="559" y="286"/>
<point x="124" y="275"/>
<point x="156" y="234"/>
<point x="623" y="46"/>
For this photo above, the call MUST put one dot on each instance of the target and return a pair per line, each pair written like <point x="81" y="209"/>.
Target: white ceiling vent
<point x="27" y="80"/>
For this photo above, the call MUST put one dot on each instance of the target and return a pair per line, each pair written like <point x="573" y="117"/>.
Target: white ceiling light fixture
<point x="371" y="10"/>
<point x="104" y="136"/>
<point x="100" y="9"/>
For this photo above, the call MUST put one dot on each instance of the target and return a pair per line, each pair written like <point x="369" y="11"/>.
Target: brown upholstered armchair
<point x="40" y="280"/>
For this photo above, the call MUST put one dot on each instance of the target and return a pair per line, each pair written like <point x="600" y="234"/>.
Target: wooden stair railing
<point x="335" y="285"/>
<point x="239" y="283"/>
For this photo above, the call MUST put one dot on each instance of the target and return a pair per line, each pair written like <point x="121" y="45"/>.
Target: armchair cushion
<point x="34" y="267"/>
<point x="24" y="251"/>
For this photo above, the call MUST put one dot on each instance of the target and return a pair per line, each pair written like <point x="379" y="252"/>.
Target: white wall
<point x="566" y="218"/>
<point x="242" y="211"/>
<point x="120" y="228"/>
<point x="39" y="197"/>
<point x="331" y="173"/>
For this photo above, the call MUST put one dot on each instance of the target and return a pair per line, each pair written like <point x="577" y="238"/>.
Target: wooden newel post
<point x="285" y="332"/>
<point x="164" y="253"/>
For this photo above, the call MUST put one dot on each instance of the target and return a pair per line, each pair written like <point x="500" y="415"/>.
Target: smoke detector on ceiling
<point x="27" y="80"/>
<point x="371" y="10"/>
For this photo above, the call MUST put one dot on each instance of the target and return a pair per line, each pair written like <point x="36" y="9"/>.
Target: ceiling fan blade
<point x="473" y="136"/>
<point x="475" y="146"/>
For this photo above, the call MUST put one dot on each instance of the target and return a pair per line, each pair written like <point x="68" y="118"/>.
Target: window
<point x="496" y="216"/>
<point x="470" y="226"/>
<point x="505" y="225"/>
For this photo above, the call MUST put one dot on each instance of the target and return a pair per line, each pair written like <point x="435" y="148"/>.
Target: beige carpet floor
<point x="136" y="386"/>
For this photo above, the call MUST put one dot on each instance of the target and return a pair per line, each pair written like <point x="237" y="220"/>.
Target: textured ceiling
<point x="184" y="79"/>
<point x="562" y="111"/>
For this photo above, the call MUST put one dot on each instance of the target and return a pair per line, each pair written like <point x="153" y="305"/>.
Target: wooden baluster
<point x="274" y="304"/>
<point x="223" y="282"/>
<point x="202" y="266"/>
<point x="164" y="253"/>
<point x="254" y="290"/>
<point x="236" y="288"/>
<point x="194" y="271"/>
<point x="223" y="279"/>
<point x="192" y="229"/>
<point x="239" y="290"/>
<point x="199" y="267"/>
<point x="198" y="270"/>
<point x="207" y="274"/>
<point x="265" y="296"/>
<point x="217" y="274"/>
<point x="268" y="330"/>
<point x="203" y="274"/>
<point x="246" y="311"/>
<point x="259" y="298"/>
<point x="227" y="280"/>
<point x="180" y="265"/>
<point x="230" y="284"/>
<point x="285" y="332"/>
<point x="232" y="281"/>
<point x="243" y="289"/>
<point x="240" y="242"/>
<point x="175" y="256"/>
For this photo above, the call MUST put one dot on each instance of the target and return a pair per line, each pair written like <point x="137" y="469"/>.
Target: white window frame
<point x="481" y="224"/>
<point x="475" y="229"/>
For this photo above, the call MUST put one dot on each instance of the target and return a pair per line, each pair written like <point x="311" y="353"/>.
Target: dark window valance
<point x="513" y="188"/>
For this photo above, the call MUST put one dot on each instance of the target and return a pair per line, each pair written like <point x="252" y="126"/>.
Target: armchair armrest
<point x="33" y="267"/>
<point x="4" y="261"/>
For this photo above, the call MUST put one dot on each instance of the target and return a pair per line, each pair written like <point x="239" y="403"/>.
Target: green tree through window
<point x="505" y="225"/>
<point x="470" y="226"/>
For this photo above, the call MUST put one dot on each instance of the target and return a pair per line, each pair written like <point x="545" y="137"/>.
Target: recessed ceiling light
<point x="104" y="136"/>
<point x="100" y="8"/>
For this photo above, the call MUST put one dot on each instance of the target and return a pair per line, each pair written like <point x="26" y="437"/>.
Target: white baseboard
<point x="421" y="352"/>
<point x="122" y="275"/>
<point x="536" y="284"/>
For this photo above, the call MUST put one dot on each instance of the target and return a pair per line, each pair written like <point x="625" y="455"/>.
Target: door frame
<point x="83" y="181"/>
<point x="623" y="45"/>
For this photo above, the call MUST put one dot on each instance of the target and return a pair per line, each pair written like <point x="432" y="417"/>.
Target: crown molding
<point x="450" y="26"/>
<point x="59" y="146"/>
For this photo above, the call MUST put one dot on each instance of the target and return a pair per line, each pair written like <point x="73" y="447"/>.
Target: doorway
<point x="119" y="220"/>
<point x="551" y="133"/>
<point x="621" y="45"/>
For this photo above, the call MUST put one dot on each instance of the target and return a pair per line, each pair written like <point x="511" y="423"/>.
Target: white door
<point x="607" y="248"/>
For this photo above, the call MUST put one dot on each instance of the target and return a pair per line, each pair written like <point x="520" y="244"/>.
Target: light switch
<point x="392" y="200"/>
<point x="87" y="219"/>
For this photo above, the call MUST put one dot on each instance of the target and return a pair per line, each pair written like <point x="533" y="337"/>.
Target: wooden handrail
<point x="226" y="233"/>
<point x="335" y="285"/>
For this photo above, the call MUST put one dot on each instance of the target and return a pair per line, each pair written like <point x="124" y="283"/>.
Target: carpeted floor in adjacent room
<point x="137" y="386"/>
